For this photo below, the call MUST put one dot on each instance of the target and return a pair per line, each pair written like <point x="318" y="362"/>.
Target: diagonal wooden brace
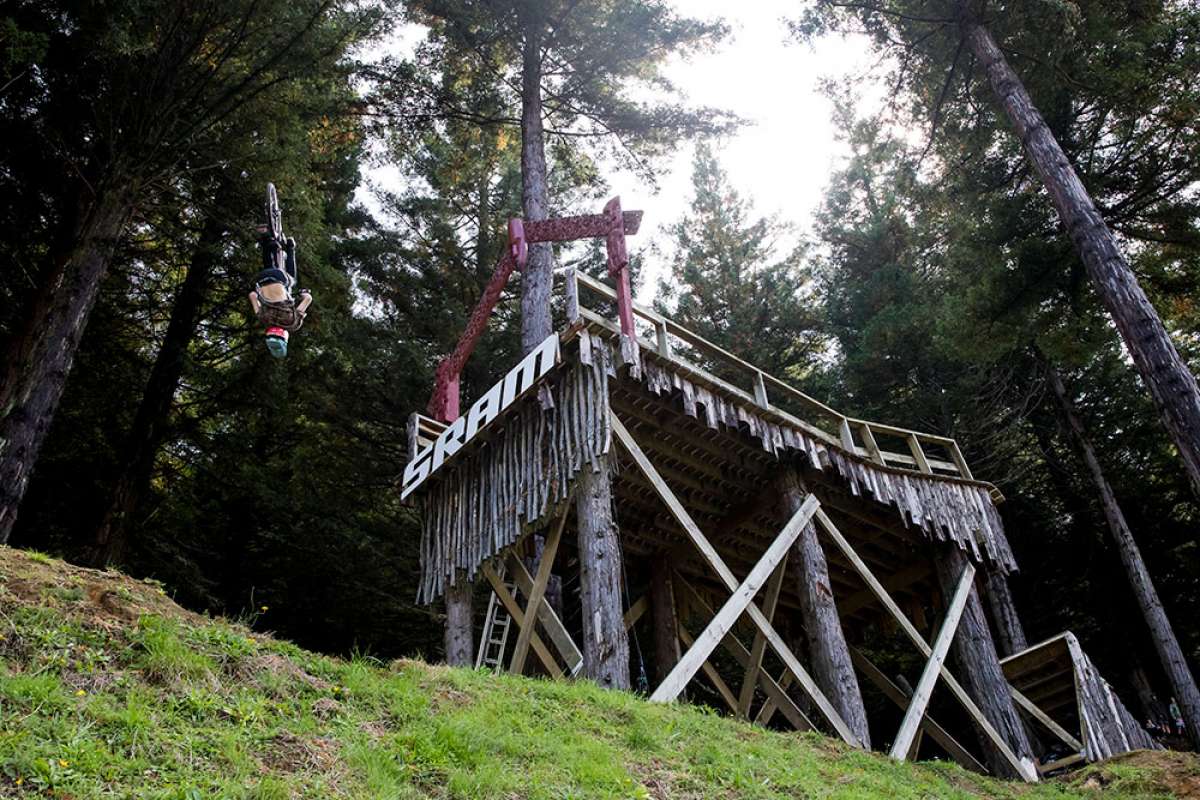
<point x="1023" y="767"/>
<point x="514" y="610"/>
<point x="537" y="593"/>
<point x="726" y="575"/>
<point x="557" y="632"/>
<point x="929" y="675"/>
<point x="777" y="698"/>
<point x="750" y="680"/>
<point x="724" y="620"/>
<point x="900" y="698"/>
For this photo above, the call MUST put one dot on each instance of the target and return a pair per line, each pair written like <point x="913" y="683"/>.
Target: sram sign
<point x="519" y="379"/>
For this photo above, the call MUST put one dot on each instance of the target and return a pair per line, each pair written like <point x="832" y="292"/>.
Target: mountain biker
<point x="271" y="297"/>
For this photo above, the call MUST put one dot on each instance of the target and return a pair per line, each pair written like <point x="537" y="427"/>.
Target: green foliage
<point x="727" y="283"/>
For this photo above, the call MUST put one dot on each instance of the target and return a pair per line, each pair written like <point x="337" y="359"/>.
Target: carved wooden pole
<point x="832" y="667"/>
<point x="979" y="666"/>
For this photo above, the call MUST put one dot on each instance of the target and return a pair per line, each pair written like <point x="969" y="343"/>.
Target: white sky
<point x="783" y="158"/>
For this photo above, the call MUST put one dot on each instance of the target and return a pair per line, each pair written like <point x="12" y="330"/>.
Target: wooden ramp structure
<point x="1059" y="680"/>
<point x="758" y="539"/>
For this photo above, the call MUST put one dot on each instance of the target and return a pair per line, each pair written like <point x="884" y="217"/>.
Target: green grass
<point x="174" y="707"/>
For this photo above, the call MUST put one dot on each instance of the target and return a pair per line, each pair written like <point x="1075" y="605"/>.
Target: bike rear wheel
<point x="274" y="215"/>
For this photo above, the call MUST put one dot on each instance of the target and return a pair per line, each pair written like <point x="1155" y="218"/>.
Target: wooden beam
<point x="914" y="446"/>
<point x="774" y="689"/>
<point x="711" y="673"/>
<point x="742" y="596"/>
<point x="514" y="611"/>
<point x="898" y="696"/>
<point x="750" y="679"/>
<point x="1022" y="767"/>
<point x="1026" y="705"/>
<point x="545" y="567"/>
<point x="557" y="632"/>
<point x="636" y="611"/>
<point x="718" y="565"/>
<point x="1061" y="763"/>
<point x="933" y="667"/>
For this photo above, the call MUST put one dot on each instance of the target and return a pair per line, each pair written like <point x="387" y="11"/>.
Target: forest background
<point x="932" y="289"/>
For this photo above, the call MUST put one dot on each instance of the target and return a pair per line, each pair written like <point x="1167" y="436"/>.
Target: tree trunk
<point x="605" y="640"/>
<point x="666" y="617"/>
<point x="41" y="360"/>
<point x="979" y="666"/>
<point x="537" y="277"/>
<point x="460" y="624"/>
<point x="1153" y="708"/>
<point x="1169" y="652"/>
<point x="1010" y="633"/>
<point x="1172" y="385"/>
<point x="831" y="665"/>
<point x="150" y="424"/>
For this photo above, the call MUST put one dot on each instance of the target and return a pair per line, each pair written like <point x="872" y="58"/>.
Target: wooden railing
<point x="771" y="394"/>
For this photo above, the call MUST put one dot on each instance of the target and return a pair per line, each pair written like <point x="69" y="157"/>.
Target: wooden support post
<point x="760" y="390"/>
<point x="535" y="595"/>
<point x="546" y="615"/>
<point x="846" y="437"/>
<point x="605" y="639"/>
<point x="718" y="565"/>
<point x="666" y="618"/>
<point x="664" y="344"/>
<point x="1018" y="765"/>
<point x="901" y="698"/>
<point x="514" y="610"/>
<point x="822" y="627"/>
<point x="460" y="623"/>
<point x="960" y="462"/>
<point x="743" y="595"/>
<point x="933" y="667"/>
<point x="980" y="666"/>
<point x="750" y="680"/>
<point x="1010" y="634"/>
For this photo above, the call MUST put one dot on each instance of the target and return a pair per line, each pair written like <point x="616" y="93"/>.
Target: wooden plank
<point x="742" y="596"/>
<point x="636" y="611"/>
<point x="901" y="698"/>
<point x="1023" y="768"/>
<point x="776" y="696"/>
<point x="557" y="632"/>
<point x="914" y="445"/>
<point x="933" y="667"/>
<point x="750" y="679"/>
<point x="959" y="461"/>
<point x="718" y="565"/>
<point x="572" y="292"/>
<point x="664" y="341"/>
<point x="763" y="717"/>
<point x="1027" y="705"/>
<point x="1061" y="763"/>
<point x="760" y="390"/>
<point x="514" y="611"/>
<point x="872" y="446"/>
<point x="711" y="673"/>
<point x="538" y="591"/>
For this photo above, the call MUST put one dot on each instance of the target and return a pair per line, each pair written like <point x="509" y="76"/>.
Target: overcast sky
<point x="784" y="156"/>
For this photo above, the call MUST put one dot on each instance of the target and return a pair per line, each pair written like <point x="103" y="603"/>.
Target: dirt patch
<point x="252" y="670"/>
<point x="1161" y="771"/>
<point x="327" y="708"/>
<point x="290" y="753"/>
<point x="106" y="599"/>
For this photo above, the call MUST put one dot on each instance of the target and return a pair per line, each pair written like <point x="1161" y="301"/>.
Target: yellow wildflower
<point x="62" y="762"/>
<point x="265" y="608"/>
<point x="80" y="692"/>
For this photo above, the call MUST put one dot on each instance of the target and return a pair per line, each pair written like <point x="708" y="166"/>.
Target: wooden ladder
<point x="496" y="624"/>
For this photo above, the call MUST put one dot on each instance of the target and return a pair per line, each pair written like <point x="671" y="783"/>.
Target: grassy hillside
<point x="108" y="689"/>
